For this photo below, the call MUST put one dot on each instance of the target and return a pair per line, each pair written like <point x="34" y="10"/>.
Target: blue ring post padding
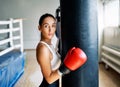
<point x="79" y="29"/>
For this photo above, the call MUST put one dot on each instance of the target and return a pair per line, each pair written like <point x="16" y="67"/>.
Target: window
<point x="111" y="13"/>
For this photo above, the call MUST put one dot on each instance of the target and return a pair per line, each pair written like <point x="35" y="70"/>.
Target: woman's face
<point x="48" y="28"/>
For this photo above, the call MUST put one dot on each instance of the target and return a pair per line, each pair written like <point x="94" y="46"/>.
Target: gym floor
<point x="32" y="76"/>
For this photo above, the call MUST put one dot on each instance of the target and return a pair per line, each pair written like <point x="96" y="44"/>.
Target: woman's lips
<point x="50" y="34"/>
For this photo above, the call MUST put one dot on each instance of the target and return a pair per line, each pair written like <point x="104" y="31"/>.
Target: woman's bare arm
<point x="43" y="57"/>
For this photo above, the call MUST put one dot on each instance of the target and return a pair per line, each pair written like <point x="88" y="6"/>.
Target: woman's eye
<point x="46" y="26"/>
<point x="54" y="26"/>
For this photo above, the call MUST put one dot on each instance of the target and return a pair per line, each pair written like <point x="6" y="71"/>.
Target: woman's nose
<point x="50" y="28"/>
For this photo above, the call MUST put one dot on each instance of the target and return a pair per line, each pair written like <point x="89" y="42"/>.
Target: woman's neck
<point x="46" y="41"/>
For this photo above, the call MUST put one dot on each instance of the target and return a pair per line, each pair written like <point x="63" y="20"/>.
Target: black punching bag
<point x="79" y="29"/>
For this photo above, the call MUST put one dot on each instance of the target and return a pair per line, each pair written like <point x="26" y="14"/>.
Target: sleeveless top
<point x="56" y="61"/>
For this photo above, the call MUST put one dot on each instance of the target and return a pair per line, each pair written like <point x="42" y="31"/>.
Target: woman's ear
<point x="39" y="28"/>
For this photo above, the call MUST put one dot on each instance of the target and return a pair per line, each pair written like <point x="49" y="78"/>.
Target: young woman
<point x="47" y="57"/>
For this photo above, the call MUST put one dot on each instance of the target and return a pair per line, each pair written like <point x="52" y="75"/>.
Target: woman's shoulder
<point x="42" y="50"/>
<point x="41" y="47"/>
<point x="42" y="54"/>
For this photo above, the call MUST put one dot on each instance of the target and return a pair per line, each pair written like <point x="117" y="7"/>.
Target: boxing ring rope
<point x="111" y="60"/>
<point x="10" y="30"/>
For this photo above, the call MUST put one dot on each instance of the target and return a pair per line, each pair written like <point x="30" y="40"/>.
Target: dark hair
<point x="45" y="16"/>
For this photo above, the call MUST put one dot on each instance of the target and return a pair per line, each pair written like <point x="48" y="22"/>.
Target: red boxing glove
<point x="75" y="58"/>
